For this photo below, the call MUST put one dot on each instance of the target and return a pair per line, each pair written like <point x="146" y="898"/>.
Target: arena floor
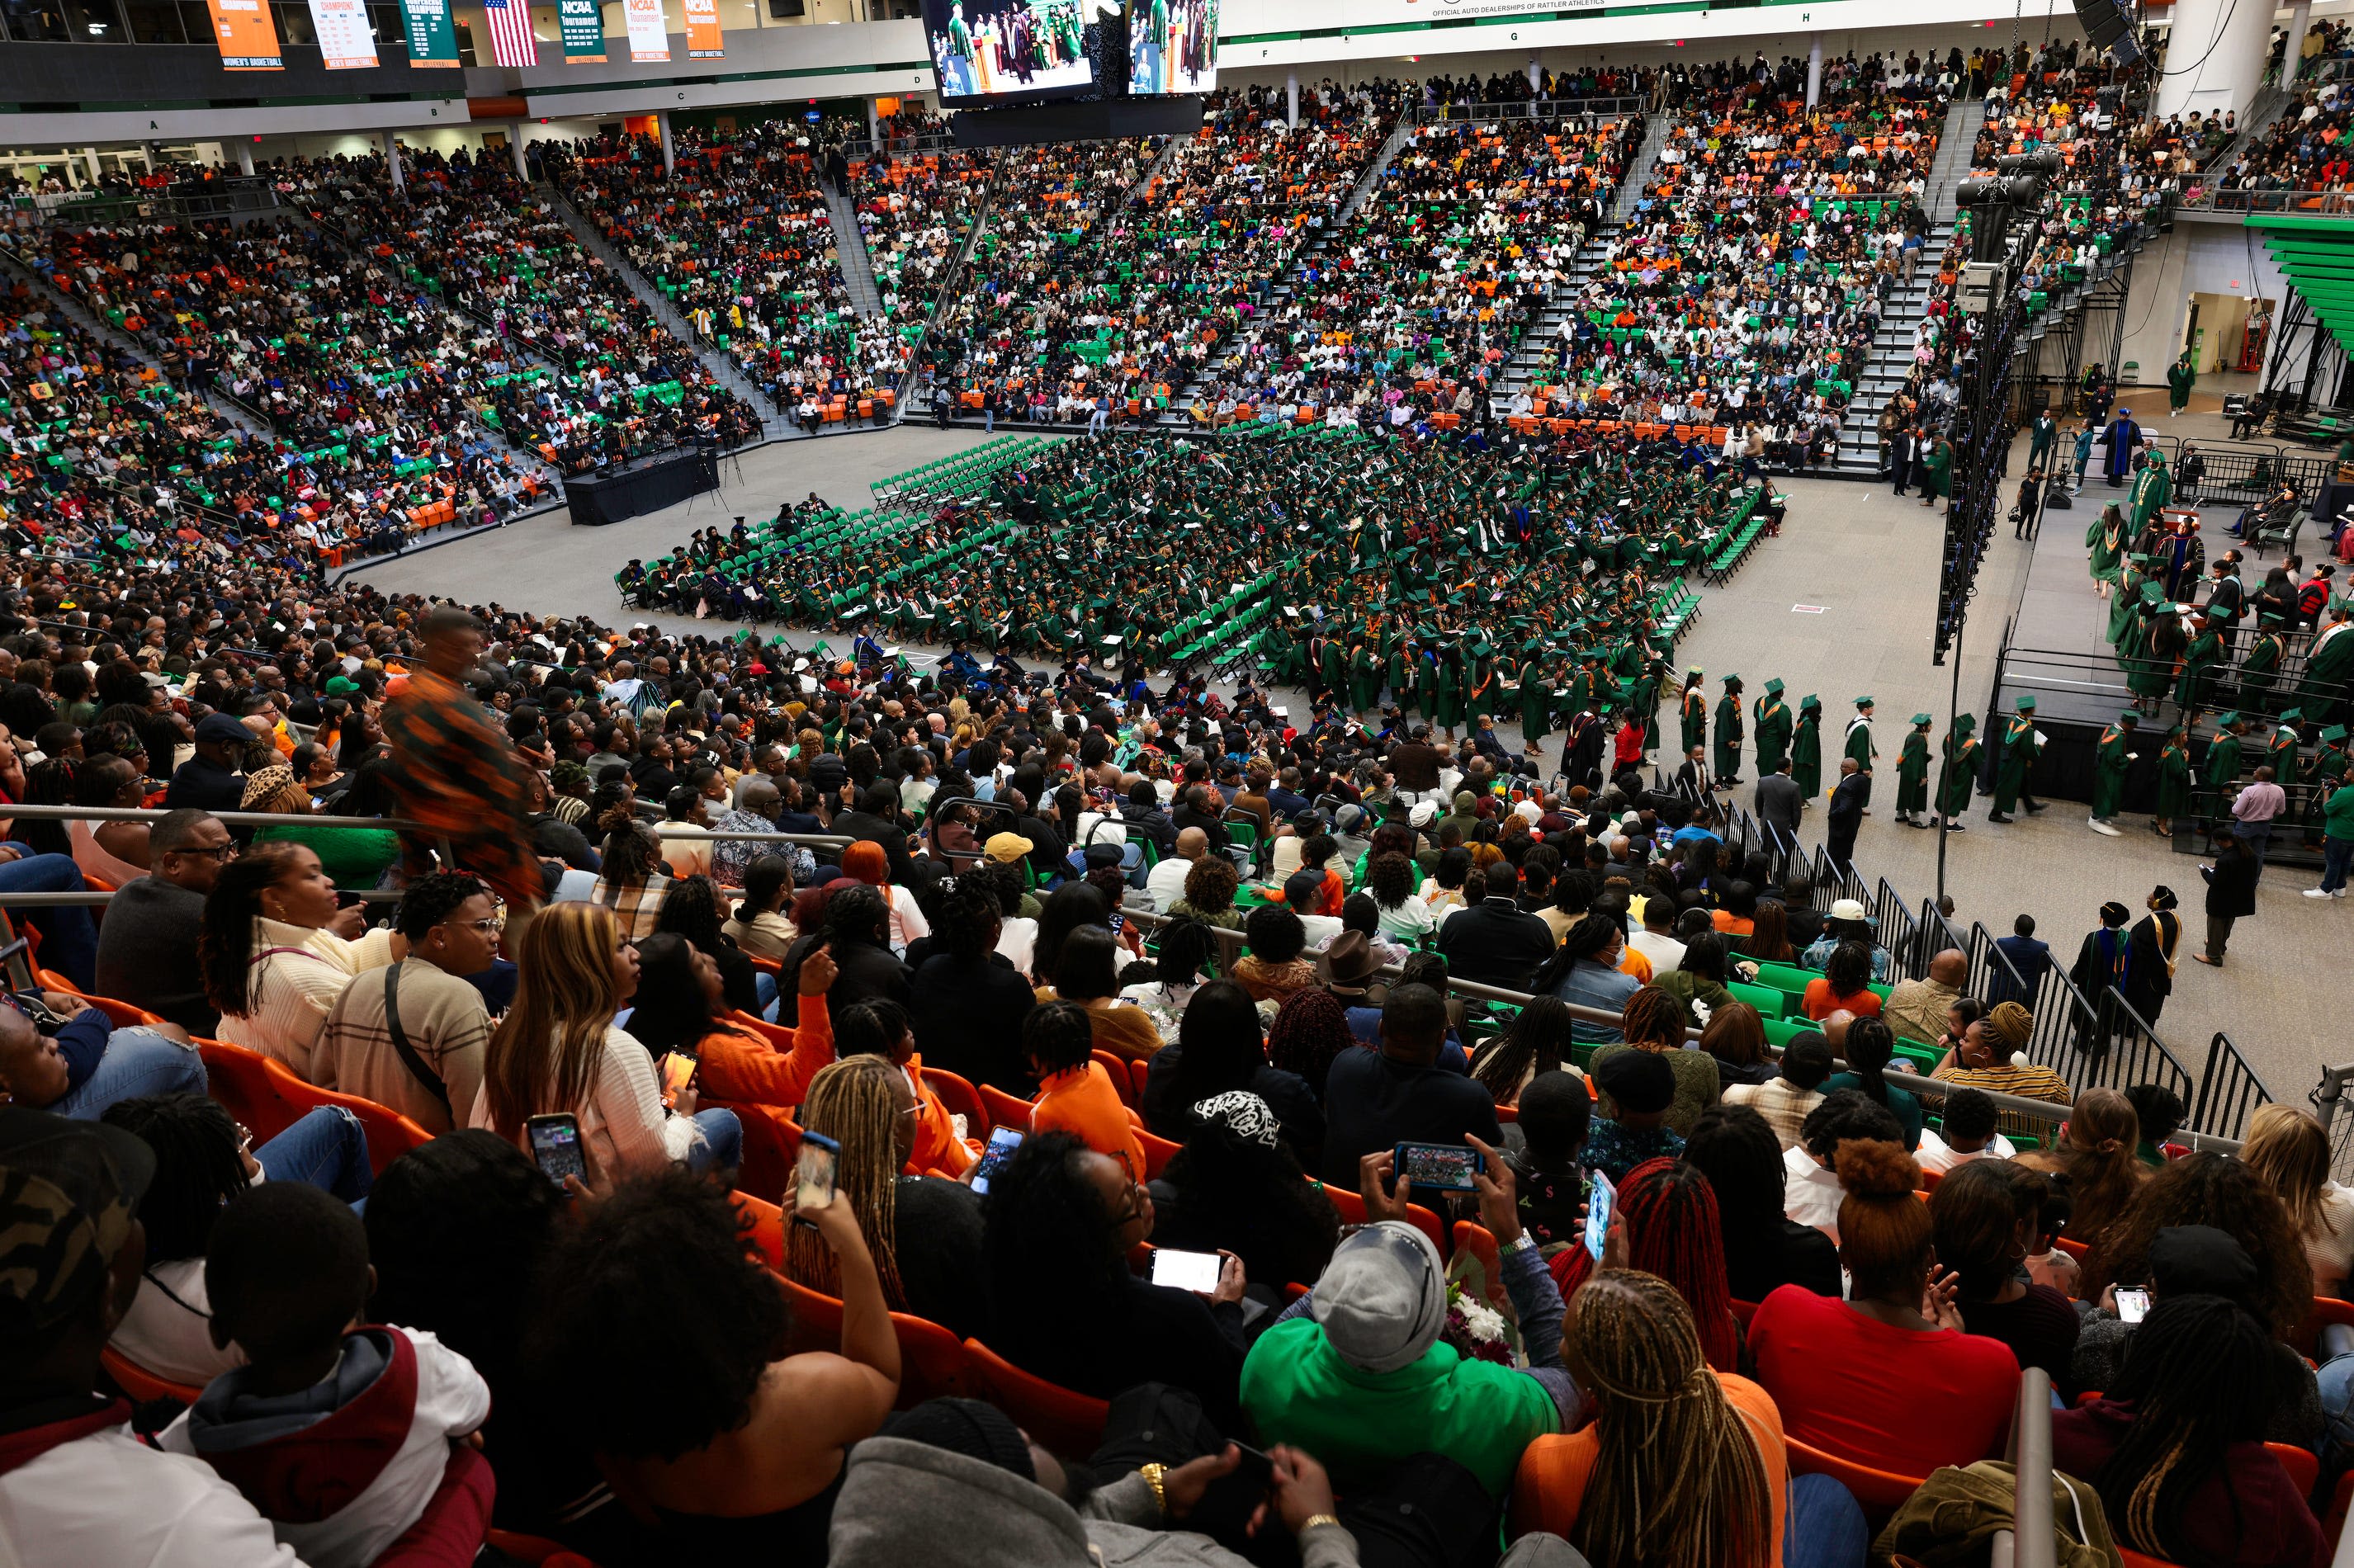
<point x="1838" y="604"/>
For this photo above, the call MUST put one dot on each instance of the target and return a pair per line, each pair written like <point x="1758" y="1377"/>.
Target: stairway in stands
<point x="951" y="283"/>
<point x="1858" y="455"/>
<point x="849" y="251"/>
<point x="1175" y="416"/>
<point x="1520" y="370"/>
<point x="724" y="369"/>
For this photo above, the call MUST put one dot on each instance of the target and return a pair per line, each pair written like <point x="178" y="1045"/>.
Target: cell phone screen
<point x="1002" y="1142"/>
<point x="813" y="1172"/>
<point x="555" y="1146"/>
<point x="1195" y="1271"/>
<point x="1448" y="1167"/>
<point x="2132" y="1306"/>
<point x="678" y="1071"/>
<point x="1601" y="1199"/>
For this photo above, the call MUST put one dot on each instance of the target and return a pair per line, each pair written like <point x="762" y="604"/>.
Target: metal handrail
<point x="385" y="824"/>
<point x="2027" y="1543"/>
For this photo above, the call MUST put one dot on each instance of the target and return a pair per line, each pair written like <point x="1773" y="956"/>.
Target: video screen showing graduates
<point x="1173" y="45"/>
<point x="1007" y="51"/>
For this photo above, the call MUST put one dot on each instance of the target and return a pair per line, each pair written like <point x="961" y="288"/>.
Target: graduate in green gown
<point x="2219" y="778"/>
<point x="1774" y="726"/>
<point x="1940" y="484"/>
<point x="2281" y="747"/>
<point x="1913" y="775"/>
<point x="1727" y="759"/>
<point x="2181" y="378"/>
<point x="2173" y="782"/>
<point x="1806" y="748"/>
<point x="2327" y="664"/>
<point x="1957" y="773"/>
<point x="2106" y="538"/>
<point x="1536" y="698"/>
<point x="2111" y="758"/>
<point x="2325" y="775"/>
<point x="1694" y="711"/>
<point x="2259" y="668"/>
<point x="2153" y="487"/>
<point x="2195" y="687"/>
<point x="1365" y="673"/>
<point x="2017" y="762"/>
<point x="1858" y="744"/>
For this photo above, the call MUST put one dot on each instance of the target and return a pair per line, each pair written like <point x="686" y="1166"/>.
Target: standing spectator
<point x="454" y="772"/>
<point x="2230" y="893"/>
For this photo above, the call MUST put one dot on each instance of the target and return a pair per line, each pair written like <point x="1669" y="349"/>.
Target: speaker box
<point x="2110" y="29"/>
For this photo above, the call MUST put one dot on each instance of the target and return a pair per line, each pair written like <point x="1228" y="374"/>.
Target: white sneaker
<point x="2103" y="828"/>
<point x="2319" y="892"/>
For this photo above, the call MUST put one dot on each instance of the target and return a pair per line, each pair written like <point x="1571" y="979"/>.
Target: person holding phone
<point x="557" y="1050"/>
<point x="278" y="948"/>
<point x="656" y="1337"/>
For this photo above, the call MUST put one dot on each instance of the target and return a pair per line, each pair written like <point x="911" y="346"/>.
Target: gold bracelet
<point x="1152" y="1474"/>
<point x="1308" y="1524"/>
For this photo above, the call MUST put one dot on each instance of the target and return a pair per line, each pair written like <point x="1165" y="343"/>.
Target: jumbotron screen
<point x="1007" y="51"/>
<point x="1173" y="45"/>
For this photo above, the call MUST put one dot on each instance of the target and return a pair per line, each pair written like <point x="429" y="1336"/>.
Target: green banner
<point x="432" y="36"/>
<point x="583" y="21"/>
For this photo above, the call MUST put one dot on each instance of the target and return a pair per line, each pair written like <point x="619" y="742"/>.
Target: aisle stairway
<point x="724" y="369"/>
<point x="850" y="250"/>
<point x="951" y="285"/>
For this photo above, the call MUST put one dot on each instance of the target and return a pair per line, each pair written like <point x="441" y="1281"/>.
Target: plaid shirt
<point x="1781" y="1103"/>
<point x="455" y="773"/>
<point x="636" y="906"/>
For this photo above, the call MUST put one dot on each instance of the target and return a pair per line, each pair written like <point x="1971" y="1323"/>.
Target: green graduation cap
<point x="1773" y="687"/>
<point x="2333" y="734"/>
<point x="1922" y="720"/>
<point x="1964" y="723"/>
<point x="1863" y="701"/>
<point x="1810" y="703"/>
<point x="2292" y="718"/>
<point x="2027" y="703"/>
<point x="1732" y="681"/>
<point x="2227" y="719"/>
<point x="2129" y="718"/>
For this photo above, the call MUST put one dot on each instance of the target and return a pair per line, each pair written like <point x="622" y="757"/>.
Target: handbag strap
<point x="409" y="1057"/>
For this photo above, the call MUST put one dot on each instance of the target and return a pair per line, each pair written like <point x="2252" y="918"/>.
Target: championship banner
<point x="432" y="36"/>
<point x="649" y="38"/>
<point x="247" y="37"/>
<point x="346" y="42"/>
<point x="702" y="41"/>
<point x="583" y="25"/>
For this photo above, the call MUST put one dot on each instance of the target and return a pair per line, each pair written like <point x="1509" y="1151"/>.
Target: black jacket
<point x="863" y="972"/>
<point x="968" y="1016"/>
<point x="1495" y="944"/>
<point x="1373" y="1101"/>
<point x="2232" y="884"/>
<point x="890" y="835"/>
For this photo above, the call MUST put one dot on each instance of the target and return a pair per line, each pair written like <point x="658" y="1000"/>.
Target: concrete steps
<point x="850" y="249"/>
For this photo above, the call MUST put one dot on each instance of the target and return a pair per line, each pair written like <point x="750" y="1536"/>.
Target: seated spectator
<point x="1685" y="1461"/>
<point x="967" y="1001"/>
<point x="203" y="1161"/>
<point x="1654" y="1022"/>
<point x="2208" y="1189"/>
<point x="1640" y="1087"/>
<point x="288" y="1278"/>
<point x="457" y="1232"/>
<point x="1396" y="1092"/>
<point x="80" y="1487"/>
<point x="881" y="1028"/>
<point x="1236" y="1188"/>
<point x="1699" y="979"/>
<point x="1673" y="1231"/>
<point x="1916" y="1009"/>
<point x="1062" y="1303"/>
<point x="1537" y="1039"/>
<point x="733" y="1454"/>
<point x="558" y="1051"/>
<point x="1557" y="1114"/>
<point x="1586" y="973"/>
<point x="1764" y="1248"/>
<point x="1735" y="1039"/>
<point x="2289" y="1150"/>
<point x="148" y="948"/>
<point x="1404" y="915"/>
<point x="856" y="933"/>
<point x="1852" y="1377"/>
<point x="2095" y="1153"/>
<point x="1087" y="973"/>
<point x="278" y="953"/>
<point x="680" y="1012"/>
<point x="1848" y="921"/>
<point x="2175" y="1446"/>
<point x="631" y="880"/>
<point x="1989" y="1215"/>
<point x="865" y="862"/>
<point x="416" y="1041"/>
<point x="1355" y="1372"/>
<point x="923" y="1234"/>
<point x="1496" y="942"/>
<point x="1209" y="890"/>
<point x="81" y="1063"/>
<point x="1276" y="964"/>
<point x="1968" y="1134"/>
<point x="694" y="911"/>
<point x="1075" y="1094"/>
<point x="1187" y="949"/>
<point x="1845" y="984"/>
<point x="1869" y="1047"/>
<point x="1811" y="1194"/>
<point x="1220" y="1049"/>
<point x="759" y="925"/>
<point x="1989" y="1058"/>
<point x="1785" y="1101"/>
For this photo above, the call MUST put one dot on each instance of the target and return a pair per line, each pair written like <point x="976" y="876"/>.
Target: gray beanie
<point x="1383" y="1298"/>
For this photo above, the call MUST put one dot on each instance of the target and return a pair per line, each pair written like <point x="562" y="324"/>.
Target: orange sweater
<point x="1549" y="1489"/>
<point x="752" y="1062"/>
<point x="937" y="1147"/>
<point x="1082" y="1102"/>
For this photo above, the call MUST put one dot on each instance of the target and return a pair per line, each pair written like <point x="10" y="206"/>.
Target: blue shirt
<point x="1588" y="984"/>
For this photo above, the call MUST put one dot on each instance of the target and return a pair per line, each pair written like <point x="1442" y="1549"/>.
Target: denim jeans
<point x="722" y="1147"/>
<point x="2337" y="856"/>
<point x="765" y="986"/>
<point x="327" y="1148"/>
<point x="138" y="1063"/>
<point x="1825" y="1526"/>
<point x="69" y="935"/>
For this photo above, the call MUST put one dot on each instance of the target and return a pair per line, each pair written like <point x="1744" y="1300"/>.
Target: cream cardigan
<point x="290" y="993"/>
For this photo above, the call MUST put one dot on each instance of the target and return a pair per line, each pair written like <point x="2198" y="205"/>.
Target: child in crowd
<point x="339" y="1434"/>
<point x="1968" y="1134"/>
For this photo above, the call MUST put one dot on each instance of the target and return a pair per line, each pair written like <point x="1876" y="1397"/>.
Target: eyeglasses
<point x="221" y="852"/>
<point x="489" y="925"/>
<point x="1134" y="1208"/>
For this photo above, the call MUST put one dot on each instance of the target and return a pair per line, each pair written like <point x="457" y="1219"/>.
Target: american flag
<point x="512" y="44"/>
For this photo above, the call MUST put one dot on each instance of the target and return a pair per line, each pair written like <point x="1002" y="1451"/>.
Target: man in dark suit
<point x="1845" y="814"/>
<point x="876" y="820"/>
<point x="1397" y="1092"/>
<point x="1142" y="814"/>
<point x="1778" y="806"/>
<point x="1694" y="781"/>
<point x="1495" y="942"/>
<point x="1202" y="807"/>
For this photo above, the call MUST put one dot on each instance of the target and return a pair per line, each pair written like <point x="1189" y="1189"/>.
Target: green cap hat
<point x="1922" y="719"/>
<point x="2226" y="719"/>
<point x="1810" y="702"/>
<point x="1732" y="679"/>
<point x="1964" y="723"/>
<point x="2129" y="716"/>
<point x="1863" y="701"/>
<point x="2027" y="702"/>
<point x="2292" y="718"/>
<point x="1773" y="688"/>
<point x="2333" y="734"/>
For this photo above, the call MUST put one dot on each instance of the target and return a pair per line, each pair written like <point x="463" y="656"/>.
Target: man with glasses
<point x="412" y="1035"/>
<point x="147" y="948"/>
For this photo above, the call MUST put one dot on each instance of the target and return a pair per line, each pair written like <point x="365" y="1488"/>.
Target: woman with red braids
<point x="1672" y="1231"/>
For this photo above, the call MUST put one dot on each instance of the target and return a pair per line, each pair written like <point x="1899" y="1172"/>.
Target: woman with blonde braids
<point x="1682" y="1467"/>
<point x="924" y="1233"/>
<point x="1653" y="1020"/>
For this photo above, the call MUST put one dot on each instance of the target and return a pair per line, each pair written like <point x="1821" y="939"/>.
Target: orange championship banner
<point x="703" y="40"/>
<point x="246" y="36"/>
